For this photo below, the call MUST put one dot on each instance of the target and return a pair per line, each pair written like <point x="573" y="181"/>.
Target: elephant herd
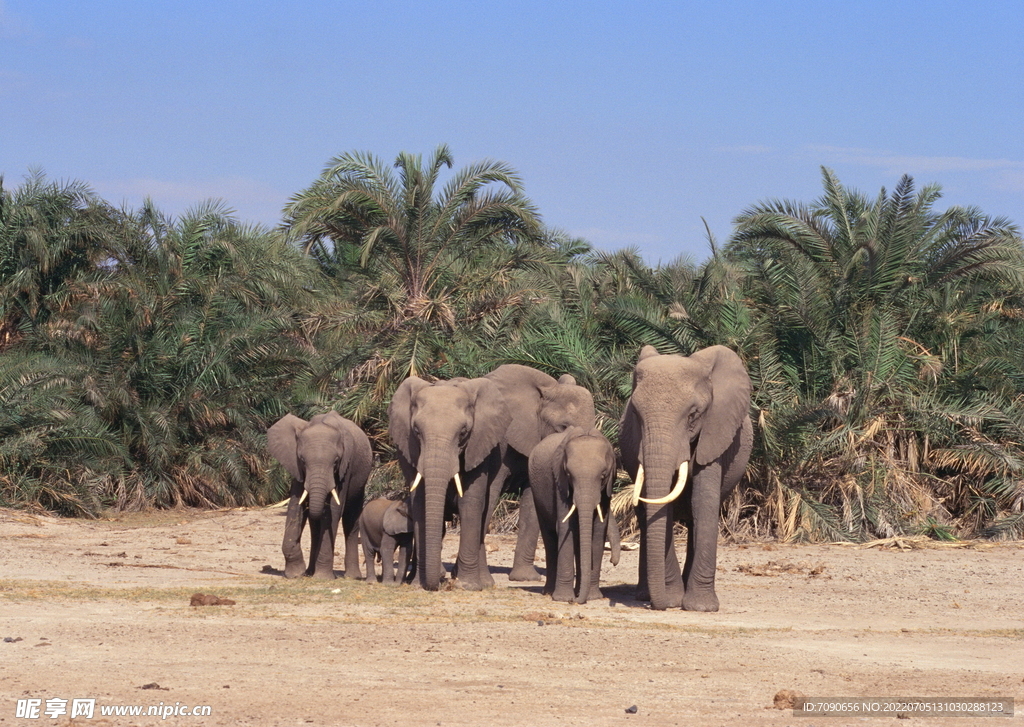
<point x="684" y="438"/>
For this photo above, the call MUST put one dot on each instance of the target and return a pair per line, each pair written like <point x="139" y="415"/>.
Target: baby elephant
<point x="384" y="526"/>
<point x="571" y="474"/>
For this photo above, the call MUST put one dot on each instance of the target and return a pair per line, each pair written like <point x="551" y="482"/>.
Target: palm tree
<point x="188" y="344"/>
<point x="55" y="451"/>
<point x="850" y="293"/>
<point x="428" y="276"/>
<point x="50" y="234"/>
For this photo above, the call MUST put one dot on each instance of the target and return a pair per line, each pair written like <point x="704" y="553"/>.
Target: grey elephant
<point x="329" y="459"/>
<point x="451" y="434"/>
<point x="685" y="438"/>
<point x="384" y="527"/>
<point x="539" y="406"/>
<point x="571" y="477"/>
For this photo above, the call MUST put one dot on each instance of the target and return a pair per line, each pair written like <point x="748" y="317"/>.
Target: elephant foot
<point x="675" y="595"/>
<point x="525" y="573"/>
<point x="566" y="595"/>
<point x="672" y="599"/>
<point x="466" y="585"/>
<point x="486" y="579"/>
<point x="700" y="601"/>
<point x="324" y="574"/>
<point x="294" y="570"/>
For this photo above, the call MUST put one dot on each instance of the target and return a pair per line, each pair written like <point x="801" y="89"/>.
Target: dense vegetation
<point x="142" y="358"/>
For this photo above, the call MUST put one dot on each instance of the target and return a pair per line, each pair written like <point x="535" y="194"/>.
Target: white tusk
<point x="569" y="514"/>
<point x="416" y="482"/>
<point x="335" y="493"/>
<point x="600" y="515"/>
<point x="639" y="486"/>
<point x="305" y="494"/>
<point x="458" y="484"/>
<point x="676" y="491"/>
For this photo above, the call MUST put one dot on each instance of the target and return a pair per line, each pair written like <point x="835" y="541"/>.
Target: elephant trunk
<point x="319" y="486"/>
<point x="438" y="471"/>
<point x="586" y="512"/>
<point x="660" y="465"/>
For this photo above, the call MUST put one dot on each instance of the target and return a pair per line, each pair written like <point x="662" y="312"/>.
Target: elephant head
<point x="584" y="468"/>
<point x="315" y="453"/>
<point x="540" y="405"/>
<point x="565" y="404"/>
<point x="685" y="413"/>
<point x="443" y="431"/>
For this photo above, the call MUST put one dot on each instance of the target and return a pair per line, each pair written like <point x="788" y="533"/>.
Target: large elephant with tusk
<point x="685" y="438"/>
<point x="451" y="435"/>
<point x="329" y="459"/>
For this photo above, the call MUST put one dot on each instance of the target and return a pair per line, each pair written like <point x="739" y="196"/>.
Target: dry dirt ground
<point x="102" y="611"/>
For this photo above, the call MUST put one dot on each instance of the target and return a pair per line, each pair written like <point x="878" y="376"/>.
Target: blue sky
<point x="628" y="122"/>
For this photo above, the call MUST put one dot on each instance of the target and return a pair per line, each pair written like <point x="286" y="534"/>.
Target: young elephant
<point x="571" y="475"/>
<point x="385" y="526"/>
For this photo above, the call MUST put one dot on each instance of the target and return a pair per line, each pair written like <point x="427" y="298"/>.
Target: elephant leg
<point x="674" y="590"/>
<point x="673" y="576"/>
<point x="471" y="564"/>
<point x="403" y="561"/>
<point x="597" y="552"/>
<point x="566" y="557"/>
<point x="702" y="541"/>
<point x="643" y="592"/>
<point x="368" y="558"/>
<point x="550" y="538"/>
<point x="295" y="521"/>
<point x="388" y="545"/>
<point x="350" y="525"/>
<point x="323" y="533"/>
<point x="523" y="568"/>
<point x="411" y="562"/>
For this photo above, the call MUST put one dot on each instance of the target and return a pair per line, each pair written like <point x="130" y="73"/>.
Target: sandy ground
<point x="102" y="611"/>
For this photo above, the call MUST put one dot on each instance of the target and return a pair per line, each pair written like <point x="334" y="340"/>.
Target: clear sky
<point x="628" y="121"/>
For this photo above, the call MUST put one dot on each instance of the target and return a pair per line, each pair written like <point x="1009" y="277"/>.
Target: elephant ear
<point x="629" y="439"/>
<point x="629" y="425"/>
<point x="730" y="402"/>
<point x="491" y="420"/>
<point x="400" y="419"/>
<point x="609" y="480"/>
<point x="282" y="446"/>
<point x="397" y="520"/>
<point x="561" y="473"/>
<point x="567" y="379"/>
